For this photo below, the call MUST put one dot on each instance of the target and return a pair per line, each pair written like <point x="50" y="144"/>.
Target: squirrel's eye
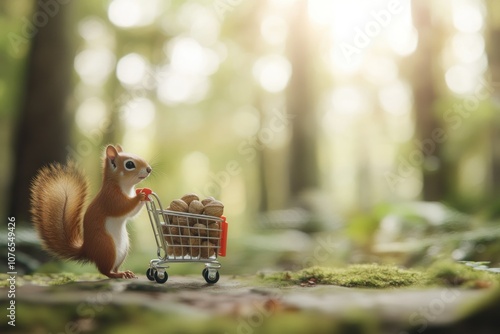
<point x="129" y="165"/>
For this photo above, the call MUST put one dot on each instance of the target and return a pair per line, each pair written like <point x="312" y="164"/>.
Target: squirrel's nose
<point x="149" y="169"/>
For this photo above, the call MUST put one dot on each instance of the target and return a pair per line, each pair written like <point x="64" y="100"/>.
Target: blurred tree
<point x="300" y="104"/>
<point x="44" y="123"/>
<point x="425" y="83"/>
<point x="493" y="51"/>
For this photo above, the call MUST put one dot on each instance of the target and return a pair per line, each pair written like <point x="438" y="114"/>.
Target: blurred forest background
<point x="334" y="131"/>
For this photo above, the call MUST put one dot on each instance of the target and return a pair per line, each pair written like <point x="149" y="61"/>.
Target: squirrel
<point x="58" y="194"/>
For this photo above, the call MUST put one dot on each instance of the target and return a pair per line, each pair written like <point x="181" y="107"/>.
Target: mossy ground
<point x="49" y="279"/>
<point x="129" y="319"/>
<point x="449" y="273"/>
<point x="91" y="303"/>
<point x="443" y="273"/>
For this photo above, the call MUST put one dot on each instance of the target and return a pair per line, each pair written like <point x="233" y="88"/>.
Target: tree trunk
<point x="303" y="155"/>
<point x="424" y="89"/>
<point x="44" y="123"/>
<point x="493" y="50"/>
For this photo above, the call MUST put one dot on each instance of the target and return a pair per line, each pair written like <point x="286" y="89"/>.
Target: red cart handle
<point x="146" y="191"/>
<point x="223" y="237"/>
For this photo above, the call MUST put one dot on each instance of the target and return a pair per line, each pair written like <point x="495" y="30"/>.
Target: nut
<point x="171" y="234"/>
<point x="189" y="231"/>
<point x="200" y="229"/>
<point x="166" y="230"/>
<point x="178" y="205"/>
<point x="194" y="247"/>
<point x="176" y="235"/>
<point x="179" y="221"/>
<point x="214" y="209"/>
<point x="196" y="207"/>
<point x="207" y="200"/>
<point x="214" y="230"/>
<point x="207" y="249"/>
<point x="188" y="198"/>
<point x="173" y="230"/>
<point x="185" y="236"/>
<point x="176" y="250"/>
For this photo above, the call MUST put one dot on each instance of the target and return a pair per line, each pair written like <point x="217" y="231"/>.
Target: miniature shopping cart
<point x="185" y="237"/>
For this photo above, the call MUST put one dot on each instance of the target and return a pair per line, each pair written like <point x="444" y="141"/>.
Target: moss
<point x="449" y="273"/>
<point x="60" y="279"/>
<point x="442" y="273"/>
<point x="362" y="275"/>
<point x="50" y="279"/>
<point x="3" y="281"/>
<point x="284" y="278"/>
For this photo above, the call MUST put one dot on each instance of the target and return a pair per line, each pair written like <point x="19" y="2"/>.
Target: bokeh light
<point x="272" y="72"/>
<point x="274" y="29"/>
<point x="134" y="13"/>
<point x="91" y="114"/>
<point x="138" y="113"/>
<point x="131" y="69"/>
<point x="467" y="16"/>
<point x="94" y="65"/>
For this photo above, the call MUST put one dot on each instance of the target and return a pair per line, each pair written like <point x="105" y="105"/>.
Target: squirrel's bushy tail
<point x="58" y="194"/>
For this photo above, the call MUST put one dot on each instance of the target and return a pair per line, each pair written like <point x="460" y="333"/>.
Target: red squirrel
<point x="58" y="193"/>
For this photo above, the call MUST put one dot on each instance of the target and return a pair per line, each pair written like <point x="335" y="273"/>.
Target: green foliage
<point x="362" y="228"/>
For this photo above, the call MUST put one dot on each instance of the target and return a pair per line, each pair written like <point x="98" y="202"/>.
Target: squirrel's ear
<point x="119" y="148"/>
<point x="111" y="152"/>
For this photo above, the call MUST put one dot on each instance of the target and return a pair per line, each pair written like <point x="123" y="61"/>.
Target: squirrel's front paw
<point x="143" y="193"/>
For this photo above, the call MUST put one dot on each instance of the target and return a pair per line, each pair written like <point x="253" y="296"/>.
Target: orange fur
<point x="57" y="197"/>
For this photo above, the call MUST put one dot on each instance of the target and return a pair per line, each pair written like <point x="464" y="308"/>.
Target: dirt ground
<point x="244" y="305"/>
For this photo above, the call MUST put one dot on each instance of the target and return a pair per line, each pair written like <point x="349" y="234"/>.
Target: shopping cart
<point x="185" y="237"/>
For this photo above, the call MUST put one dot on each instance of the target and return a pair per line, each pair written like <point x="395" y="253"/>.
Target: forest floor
<point x="242" y="305"/>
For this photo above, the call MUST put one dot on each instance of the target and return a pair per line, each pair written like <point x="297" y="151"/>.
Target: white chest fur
<point x="116" y="227"/>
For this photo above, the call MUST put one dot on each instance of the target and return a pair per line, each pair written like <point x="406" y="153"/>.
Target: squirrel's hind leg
<point x="129" y="274"/>
<point x="105" y="264"/>
<point x="124" y="274"/>
<point x="115" y="273"/>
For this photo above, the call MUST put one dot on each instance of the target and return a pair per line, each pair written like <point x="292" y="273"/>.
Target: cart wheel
<point x="161" y="278"/>
<point x="150" y="273"/>
<point x="210" y="280"/>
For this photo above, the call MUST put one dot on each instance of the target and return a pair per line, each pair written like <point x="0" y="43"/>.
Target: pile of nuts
<point x="194" y="236"/>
